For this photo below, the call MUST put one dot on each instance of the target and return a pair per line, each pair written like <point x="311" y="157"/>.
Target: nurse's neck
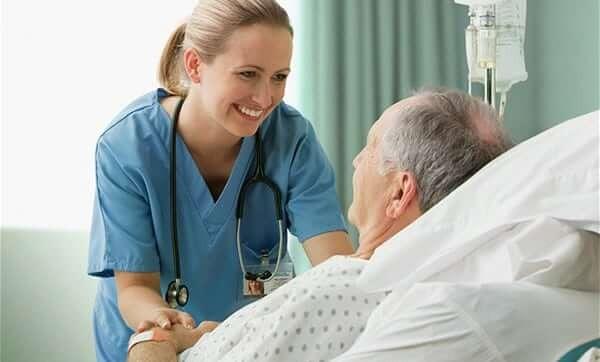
<point x="202" y="137"/>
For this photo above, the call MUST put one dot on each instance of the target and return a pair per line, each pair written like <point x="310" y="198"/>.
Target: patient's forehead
<point x="390" y="115"/>
<point x="404" y="103"/>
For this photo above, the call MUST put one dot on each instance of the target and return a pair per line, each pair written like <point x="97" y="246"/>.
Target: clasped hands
<point x="179" y="327"/>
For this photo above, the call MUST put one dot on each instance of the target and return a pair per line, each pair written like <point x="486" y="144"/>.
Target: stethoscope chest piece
<point x="177" y="294"/>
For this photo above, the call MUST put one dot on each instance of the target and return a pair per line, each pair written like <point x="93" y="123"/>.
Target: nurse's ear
<point x="193" y="64"/>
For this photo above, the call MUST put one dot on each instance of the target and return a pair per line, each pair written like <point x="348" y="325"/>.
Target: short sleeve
<point x="122" y="236"/>
<point x="313" y="207"/>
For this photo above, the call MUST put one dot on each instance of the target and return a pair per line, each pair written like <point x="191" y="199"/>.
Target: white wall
<point x="68" y="73"/>
<point x="67" y="68"/>
<point x="47" y="297"/>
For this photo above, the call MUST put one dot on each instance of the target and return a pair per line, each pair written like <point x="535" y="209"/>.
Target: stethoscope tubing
<point x="241" y="258"/>
<point x="173" y="192"/>
<point x="258" y="177"/>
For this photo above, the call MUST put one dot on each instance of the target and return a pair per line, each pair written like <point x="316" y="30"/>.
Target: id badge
<point x="256" y="288"/>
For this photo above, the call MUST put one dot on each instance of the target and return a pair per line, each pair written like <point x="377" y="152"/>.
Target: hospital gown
<point x="314" y="317"/>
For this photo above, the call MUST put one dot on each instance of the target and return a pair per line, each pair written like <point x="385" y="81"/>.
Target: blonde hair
<point x="211" y="24"/>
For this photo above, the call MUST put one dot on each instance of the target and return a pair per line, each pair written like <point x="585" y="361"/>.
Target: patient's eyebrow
<point x="371" y="139"/>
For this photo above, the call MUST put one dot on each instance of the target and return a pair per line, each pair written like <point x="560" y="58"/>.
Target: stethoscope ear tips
<point x="265" y="275"/>
<point x="261" y="277"/>
<point x="177" y="294"/>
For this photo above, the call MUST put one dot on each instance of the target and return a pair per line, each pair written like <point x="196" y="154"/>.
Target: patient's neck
<point x="371" y="239"/>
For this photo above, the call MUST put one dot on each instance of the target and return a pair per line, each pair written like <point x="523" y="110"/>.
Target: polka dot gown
<point x="315" y="317"/>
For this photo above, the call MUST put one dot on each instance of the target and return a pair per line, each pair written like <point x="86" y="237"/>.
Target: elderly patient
<point x="419" y="151"/>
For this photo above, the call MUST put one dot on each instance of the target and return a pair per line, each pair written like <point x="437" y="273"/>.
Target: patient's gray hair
<point x="443" y="138"/>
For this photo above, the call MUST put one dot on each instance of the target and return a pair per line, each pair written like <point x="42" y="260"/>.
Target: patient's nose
<point x="357" y="159"/>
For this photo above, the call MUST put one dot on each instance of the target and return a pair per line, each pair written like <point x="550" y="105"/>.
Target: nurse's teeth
<point x="249" y="111"/>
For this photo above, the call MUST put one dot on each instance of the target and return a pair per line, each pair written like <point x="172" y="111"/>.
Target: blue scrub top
<point x="131" y="227"/>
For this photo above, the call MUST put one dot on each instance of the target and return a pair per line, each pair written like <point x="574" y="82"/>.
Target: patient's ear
<point x="403" y="194"/>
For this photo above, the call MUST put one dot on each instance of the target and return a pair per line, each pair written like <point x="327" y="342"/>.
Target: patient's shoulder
<point x="333" y="282"/>
<point x="341" y="262"/>
<point x="337" y="271"/>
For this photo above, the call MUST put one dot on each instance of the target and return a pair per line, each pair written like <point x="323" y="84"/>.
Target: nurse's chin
<point x="244" y="130"/>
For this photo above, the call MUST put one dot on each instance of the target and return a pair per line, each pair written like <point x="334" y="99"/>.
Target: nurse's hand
<point x="165" y="318"/>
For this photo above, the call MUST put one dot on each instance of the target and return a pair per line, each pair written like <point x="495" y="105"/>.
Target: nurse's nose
<point x="263" y="96"/>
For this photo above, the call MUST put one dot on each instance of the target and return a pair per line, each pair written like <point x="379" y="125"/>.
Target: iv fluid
<point x="510" y="41"/>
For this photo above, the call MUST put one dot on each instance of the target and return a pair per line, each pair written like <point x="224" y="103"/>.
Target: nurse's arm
<point x="323" y="246"/>
<point x="141" y="304"/>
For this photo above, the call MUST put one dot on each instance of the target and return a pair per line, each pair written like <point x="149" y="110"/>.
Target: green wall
<point x="561" y="55"/>
<point x="561" y="51"/>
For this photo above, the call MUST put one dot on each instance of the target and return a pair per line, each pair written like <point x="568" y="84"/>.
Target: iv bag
<point x="510" y="42"/>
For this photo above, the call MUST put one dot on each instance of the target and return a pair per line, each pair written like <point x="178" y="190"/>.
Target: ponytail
<point x="170" y="70"/>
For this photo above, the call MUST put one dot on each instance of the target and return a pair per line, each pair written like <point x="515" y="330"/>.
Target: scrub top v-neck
<point x="131" y="228"/>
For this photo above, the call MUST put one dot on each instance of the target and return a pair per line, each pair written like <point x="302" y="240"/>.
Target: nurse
<point x="223" y="75"/>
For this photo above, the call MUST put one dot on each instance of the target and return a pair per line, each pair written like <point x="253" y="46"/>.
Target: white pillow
<point x="554" y="175"/>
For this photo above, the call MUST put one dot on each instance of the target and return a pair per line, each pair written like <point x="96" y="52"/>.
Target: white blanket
<point x="510" y="300"/>
<point x="314" y="317"/>
<point x="495" y="322"/>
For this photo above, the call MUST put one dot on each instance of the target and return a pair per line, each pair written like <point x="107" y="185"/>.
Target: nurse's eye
<point x="248" y="74"/>
<point x="280" y="77"/>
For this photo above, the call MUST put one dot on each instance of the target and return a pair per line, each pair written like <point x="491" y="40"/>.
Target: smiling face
<point x="243" y="84"/>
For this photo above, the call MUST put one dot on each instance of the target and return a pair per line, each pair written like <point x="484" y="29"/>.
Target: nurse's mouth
<point x="249" y="113"/>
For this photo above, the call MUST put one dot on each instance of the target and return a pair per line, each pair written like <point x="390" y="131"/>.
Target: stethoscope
<point x="178" y="293"/>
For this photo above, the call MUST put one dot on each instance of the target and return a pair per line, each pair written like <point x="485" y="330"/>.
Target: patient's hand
<point x="179" y="339"/>
<point x="185" y="338"/>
